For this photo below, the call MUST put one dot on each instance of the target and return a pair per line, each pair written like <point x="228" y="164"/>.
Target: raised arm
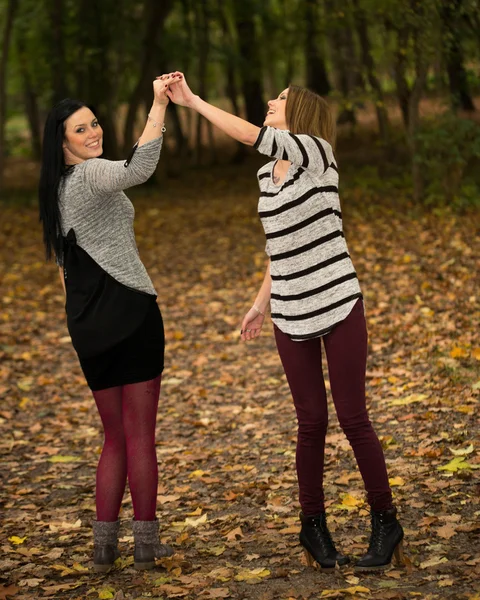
<point x="106" y="176"/>
<point x="235" y="127"/>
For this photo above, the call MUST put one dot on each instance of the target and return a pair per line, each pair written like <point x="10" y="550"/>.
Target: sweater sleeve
<point x="307" y="151"/>
<point x="106" y="176"/>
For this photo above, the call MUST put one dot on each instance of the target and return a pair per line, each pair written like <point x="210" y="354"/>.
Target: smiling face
<point x="276" y="115"/>
<point x="83" y="137"/>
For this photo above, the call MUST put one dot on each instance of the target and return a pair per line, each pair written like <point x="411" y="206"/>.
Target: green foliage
<point x="448" y="151"/>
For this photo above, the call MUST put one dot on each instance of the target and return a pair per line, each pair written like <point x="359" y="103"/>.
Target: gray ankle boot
<point x="147" y="545"/>
<point x="105" y="553"/>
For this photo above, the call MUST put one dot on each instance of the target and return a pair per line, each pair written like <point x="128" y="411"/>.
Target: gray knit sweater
<point x="314" y="284"/>
<point x="92" y="202"/>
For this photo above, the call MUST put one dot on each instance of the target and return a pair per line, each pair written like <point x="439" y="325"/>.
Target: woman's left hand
<point x="179" y="92"/>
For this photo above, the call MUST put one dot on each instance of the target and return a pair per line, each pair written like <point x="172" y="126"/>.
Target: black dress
<point x="116" y="331"/>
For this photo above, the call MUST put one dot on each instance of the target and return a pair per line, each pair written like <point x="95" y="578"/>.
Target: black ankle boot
<point x="386" y="540"/>
<point x="147" y="545"/>
<point x="105" y="552"/>
<point x="318" y="543"/>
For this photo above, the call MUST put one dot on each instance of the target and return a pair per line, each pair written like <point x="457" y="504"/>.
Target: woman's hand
<point x="252" y="325"/>
<point x="179" y="92"/>
<point x="160" y="88"/>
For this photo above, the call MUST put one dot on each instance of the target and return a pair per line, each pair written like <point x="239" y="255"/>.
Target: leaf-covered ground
<point x="226" y="426"/>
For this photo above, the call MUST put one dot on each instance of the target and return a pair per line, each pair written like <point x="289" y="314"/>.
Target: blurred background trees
<point x="408" y="68"/>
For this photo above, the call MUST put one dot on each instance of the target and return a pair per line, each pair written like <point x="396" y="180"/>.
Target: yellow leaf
<point x="358" y="589"/>
<point x="23" y="402"/>
<point x="106" y="593"/>
<point x="197" y="512"/>
<point x="462" y="451"/>
<point x="196" y="522"/>
<point x="436" y="560"/>
<point x="396" y="481"/>
<point x="408" y="400"/>
<point x="17" y="540"/>
<point x="178" y="335"/>
<point x="246" y="575"/>
<point x="458" y="352"/>
<point x="24" y="385"/>
<point x="216" y="550"/>
<point x="63" y="459"/>
<point x="457" y="464"/>
<point x="349" y="502"/>
<point x="197" y="473"/>
<point x="476" y="353"/>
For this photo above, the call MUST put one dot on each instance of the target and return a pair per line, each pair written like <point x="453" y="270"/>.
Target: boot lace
<point x="377" y="538"/>
<point x="322" y="535"/>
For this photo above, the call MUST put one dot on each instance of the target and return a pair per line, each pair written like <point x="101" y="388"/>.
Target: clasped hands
<point x="174" y="87"/>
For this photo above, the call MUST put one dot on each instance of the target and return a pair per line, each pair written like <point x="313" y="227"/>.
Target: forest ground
<point x="228" y="498"/>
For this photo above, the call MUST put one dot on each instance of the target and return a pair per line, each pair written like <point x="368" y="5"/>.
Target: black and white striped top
<point x="314" y="284"/>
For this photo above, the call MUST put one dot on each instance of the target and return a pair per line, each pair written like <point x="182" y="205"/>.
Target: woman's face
<point x="276" y="115"/>
<point x="83" y="137"/>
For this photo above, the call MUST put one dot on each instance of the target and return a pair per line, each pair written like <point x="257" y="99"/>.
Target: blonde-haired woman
<point x="314" y="294"/>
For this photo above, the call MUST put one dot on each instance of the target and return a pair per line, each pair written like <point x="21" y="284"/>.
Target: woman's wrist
<point x="260" y="307"/>
<point x="194" y="102"/>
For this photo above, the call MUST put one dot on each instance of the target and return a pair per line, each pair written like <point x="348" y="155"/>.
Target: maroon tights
<point x="346" y="351"/>
<point x="128" y="415"/>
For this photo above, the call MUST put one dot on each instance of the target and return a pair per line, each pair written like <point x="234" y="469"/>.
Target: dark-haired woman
<point x="314" y="294"/>
<point x="112" y="315"/>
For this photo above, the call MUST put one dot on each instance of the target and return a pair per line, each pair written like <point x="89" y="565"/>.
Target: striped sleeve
<point x="307" y="151"/>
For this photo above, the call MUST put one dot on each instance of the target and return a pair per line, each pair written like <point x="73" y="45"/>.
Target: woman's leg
<point x="302" y="362"/>
<point x="140" y="404"/>
<point x="346" y="350"/>
<point x="112" y="467"/>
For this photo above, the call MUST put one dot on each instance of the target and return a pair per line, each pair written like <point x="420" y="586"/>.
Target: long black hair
<point x="52" y="170"/>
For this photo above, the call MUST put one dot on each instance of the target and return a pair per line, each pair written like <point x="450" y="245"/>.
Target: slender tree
<point x="155" y="13"/>
<point x="250" y="68"/>
<point x="370" y="70"/>
<point x="11" y="9"/>
<point x="452" y="30"/>
<point x="317" y="76"/>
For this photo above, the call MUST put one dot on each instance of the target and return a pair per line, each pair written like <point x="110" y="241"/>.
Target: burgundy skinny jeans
<point x="346" y="351"/>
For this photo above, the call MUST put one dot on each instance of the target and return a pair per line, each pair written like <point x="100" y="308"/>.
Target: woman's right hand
<point x="179" y="92"/>
<point x="252" y="325"/>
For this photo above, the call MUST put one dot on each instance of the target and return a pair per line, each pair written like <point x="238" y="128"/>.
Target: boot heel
<point x="310" y="560"/>
<point x="398" y="554"/>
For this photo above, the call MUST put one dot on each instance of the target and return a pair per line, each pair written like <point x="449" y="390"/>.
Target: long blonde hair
<point x="307" y="112"/>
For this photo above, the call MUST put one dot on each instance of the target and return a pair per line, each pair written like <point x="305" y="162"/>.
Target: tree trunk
<point x="251" y="71"/>
<point x="155" y="14"/>
<point x="203" y="47"/>
<point x="400" y="69"/>
<point x="30" y="97"/>
<point x="231" y="85"/>
<point x="362" y="30"/>
<point x="461" y="97"/>
<point x="317" y="76"/>
<point x="347" y="76"/>
<point x="7" y="36"/>
<point x="421" y="71"/>
<point x="57" y="57"/>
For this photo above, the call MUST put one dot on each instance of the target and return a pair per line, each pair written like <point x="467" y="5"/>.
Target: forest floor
<point x="228" y="498"/>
